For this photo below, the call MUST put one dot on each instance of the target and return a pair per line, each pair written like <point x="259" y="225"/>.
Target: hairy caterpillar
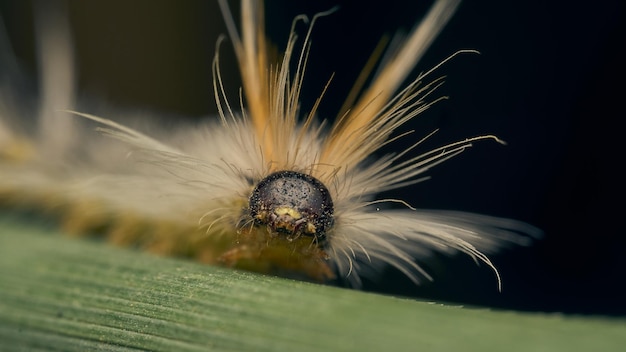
<point x="268" y="187"/>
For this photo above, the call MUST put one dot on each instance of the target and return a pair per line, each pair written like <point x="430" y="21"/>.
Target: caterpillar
<point x="264" y="187"/>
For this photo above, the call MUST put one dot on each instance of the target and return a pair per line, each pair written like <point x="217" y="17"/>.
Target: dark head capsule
<point x="293" y="204"/>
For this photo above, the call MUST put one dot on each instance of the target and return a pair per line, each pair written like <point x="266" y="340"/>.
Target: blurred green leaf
<point x="58" y="293"/>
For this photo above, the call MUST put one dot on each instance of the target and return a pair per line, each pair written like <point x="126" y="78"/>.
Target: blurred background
<point x="549" y="81"/>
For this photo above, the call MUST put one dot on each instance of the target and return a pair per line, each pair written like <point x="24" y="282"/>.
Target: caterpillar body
<point x="265" y="187"/>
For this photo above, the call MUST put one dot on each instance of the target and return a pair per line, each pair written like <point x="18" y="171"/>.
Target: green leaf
<point x="59" y="293"/>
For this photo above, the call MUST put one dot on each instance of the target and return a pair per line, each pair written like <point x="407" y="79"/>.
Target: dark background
<point x="549" y="81"/>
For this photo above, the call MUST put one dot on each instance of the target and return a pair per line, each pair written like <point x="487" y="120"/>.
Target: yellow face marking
<point x="288" y="211"/>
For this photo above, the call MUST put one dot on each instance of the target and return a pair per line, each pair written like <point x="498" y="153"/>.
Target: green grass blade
<point x="65" y="294"/>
